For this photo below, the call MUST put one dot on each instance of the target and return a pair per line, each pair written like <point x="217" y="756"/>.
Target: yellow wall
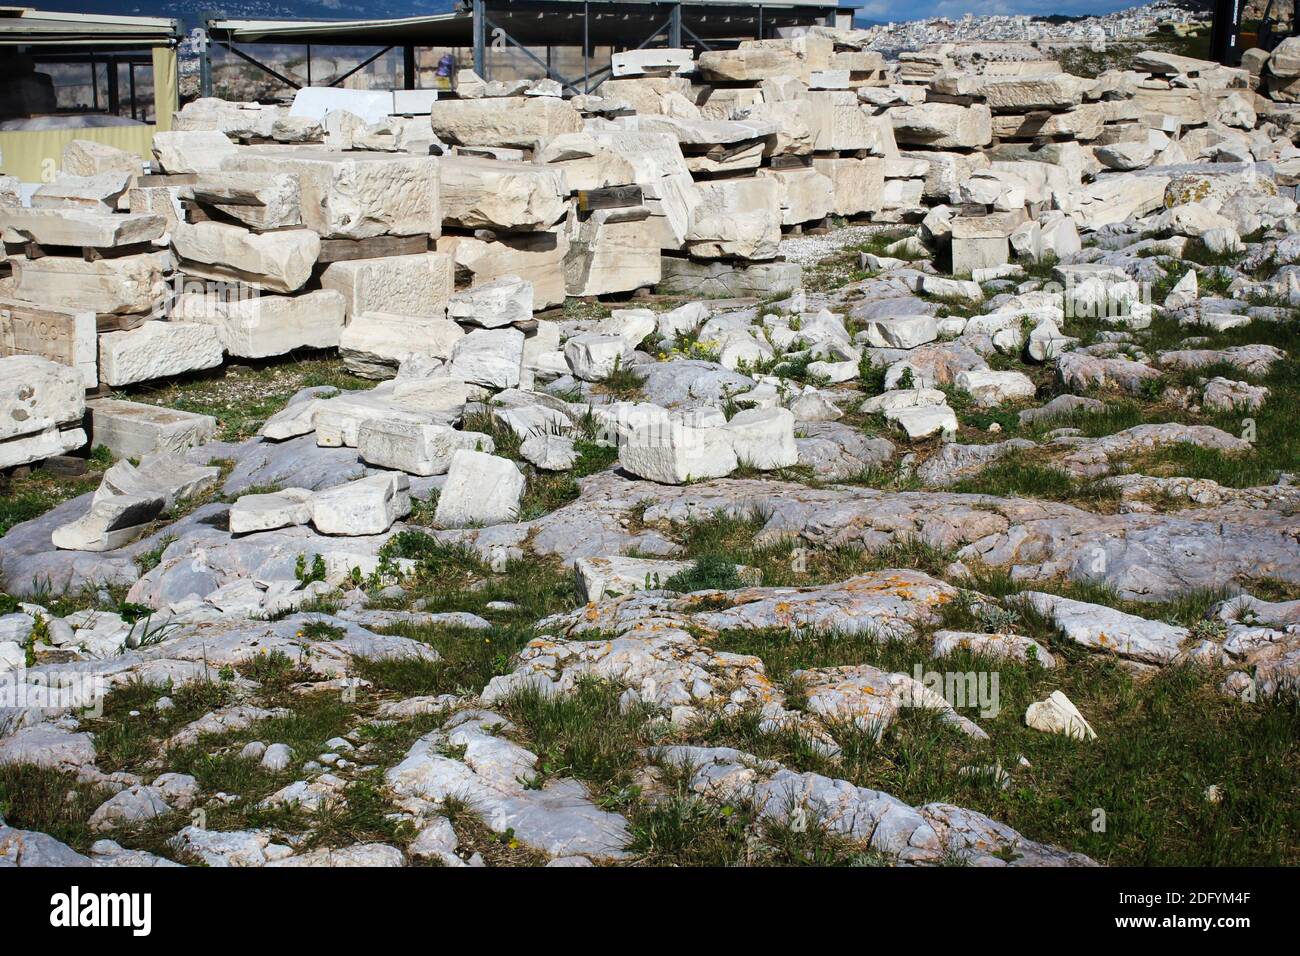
<point x="34" y="156"/>
<point x="166" y="86"/>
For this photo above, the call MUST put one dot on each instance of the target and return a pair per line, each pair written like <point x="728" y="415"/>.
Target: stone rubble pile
<point x="429" y="243"/>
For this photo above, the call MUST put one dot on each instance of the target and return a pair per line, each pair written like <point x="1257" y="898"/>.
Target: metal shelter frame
<point x="525" y="25"/>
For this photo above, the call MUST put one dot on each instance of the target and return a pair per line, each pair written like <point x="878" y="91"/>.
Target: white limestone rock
<point x="592" y="357"/>
<point x="355" y="194"/>
<point x="111" y="522"/>
<point x="265" y="325"/>
<point x="266" y="512"/>
<point x="123" y="285"/>
<point x="924" y="421"/>
<point x="158" y="350"/>
<point x="763" y="438"/>
<point x="1103" y="628"/>
<point x="990" y="388"/>
<point x="376" y="344"/>
<point x="280" y="261"/>
<point x="418" y="284"/>
<point x="490" y="357"/>
<point x="480" y="193"/>
<point x="37" y="394"/>
<point x="549" y="452"/>
<point x="673" y="454"/>
<point x="362" y="507"/>
<point x="1058" y="715"/>
<point x="505" y="300"/>
<point x="902" y="332"/>
<point x="136" y="430"/>
<point x="417" y="448"/>
<point x="192" y="151"/>
<point x="481" y="490"/>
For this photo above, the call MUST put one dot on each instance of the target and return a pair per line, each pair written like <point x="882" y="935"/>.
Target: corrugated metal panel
<point x="42" y="28"/>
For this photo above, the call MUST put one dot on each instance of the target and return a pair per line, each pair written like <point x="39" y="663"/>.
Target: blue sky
<point x="921" y="9"/>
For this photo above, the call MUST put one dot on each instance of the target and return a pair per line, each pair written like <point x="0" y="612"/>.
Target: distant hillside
<point x="193" y="12"/>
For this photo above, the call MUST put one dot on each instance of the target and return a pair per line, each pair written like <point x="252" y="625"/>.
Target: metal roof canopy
<point x="528" y="24"/>
<point x="539" y="22"/>
<point x="23" y="26"/>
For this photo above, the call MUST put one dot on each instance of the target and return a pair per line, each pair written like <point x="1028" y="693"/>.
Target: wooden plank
<point x="377" y="247"/>
<point x="720" y="154"/>
<point x="790" y="161"/>
<point x="610" y="197"/>
<point x="92" y="253"/>
<point x="36" y="250"/>
<point x="111" y="322"/>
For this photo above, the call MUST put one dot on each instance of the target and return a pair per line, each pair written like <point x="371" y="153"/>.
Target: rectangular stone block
<point x="375" y="344"/>
<point x="66" y="336"/>
<point x="407" y="285"/>
<point x="258" y="200"/>
<point x="857" y="184"/>
<point x="134" y="430"/>
<point x="711" y="280"/>
<point x="491" y="194"/>
<point x="157" y="350"/>
<point x="611" y="251"/>
<point x="36" y="395"/>
<point x="537" y="257"/>
<point x="125" y="285"/>
<point x="652" y="62"/>
<point x="39" y="446"/>
<point x="279" y="261"/>
<point x="738" y="218"/>
<point x="519" y="121"/>
<point x="75" y="227"/>
<point x="355" y="195"/>
<point x="264" y="325"/>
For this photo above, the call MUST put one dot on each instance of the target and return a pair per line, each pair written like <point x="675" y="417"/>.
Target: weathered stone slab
<point x="102" y="193"/>
<point x="534" y="257"/>
<point x="857" y="185"/>
<point x="258" y="200"/>
<point x="192" y="151"/>
<point x="264" y="325"/>
<point x="518" y="121"/>
<point x="157" y="350"/>
<point x="943" y="125"/>
<point x="111" y="523"/>
<point x="66" y="336"/>
<point x="611" y="251"/>
<point x="416" y="448"/>
<point x="489" y="357"/>
<point x="279" y="261"/>
<point x="356" y="195"/>
<point x="805" y="194"/>
<point x="499" y="302"/>
<point x="85" y="157"/>
<point x="488" y="193"/>
<point x="375" y="344"/>
<point x="418" y="284"/>
<point x="738" y="218"/>
<point x="720" y="279"/>
<point x="481" y="489"/>
<point x="125" y="285"/>
<point x="74" y="227"/>
<point x="652" y="62"/>
<point x="135" y="430"/>
<point x="37" y="394"/>
<point x="362" y="507"/>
